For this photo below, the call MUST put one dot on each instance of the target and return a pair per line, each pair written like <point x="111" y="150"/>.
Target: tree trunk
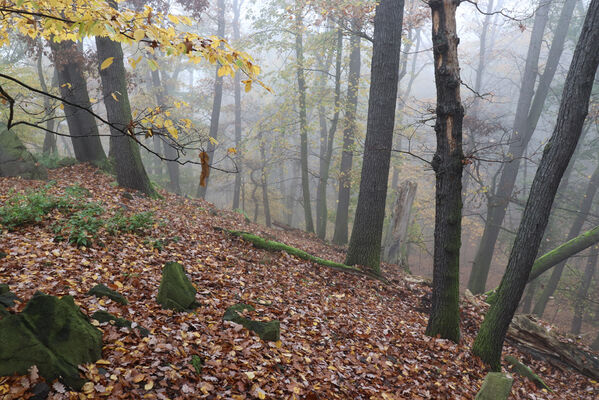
<point x="444" y="319"/>
<point x="301" y="90"/>
<point x="327" y="154"/>
<point x="365" y="242"/>
<point x="558" y="151"/>
<point x="556" y="274"/>
<point x="237" y="93"/>
<point x="264" y="181"/>
<point x="396" y="239"/>
<point x="130" y="172"/>
<point x="83" y="129"/>
<point x="583" y="290"/>
<point x="349" y="131"/>
<point x="498" y="201"/>
<point x="49" y="138"/>
<point x="216" y="103"/>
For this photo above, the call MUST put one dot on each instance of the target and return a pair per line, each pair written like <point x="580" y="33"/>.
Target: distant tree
<point x="556" y="156"/>
<point x="365" y="242"/>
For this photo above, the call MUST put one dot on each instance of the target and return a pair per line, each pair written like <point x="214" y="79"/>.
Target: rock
<point x="176" y="291"/>
<point x="16" y="160"/>
<point x="40" y="391"/>
<point x="496" y="386"/>
<point x="104" y="316"/>
<point x="7" y="298"/>
<point x="270" y="331"/>
<point x="52" y="334"/>
<point x="102" y="291"/>
<point x="526" y="372"/>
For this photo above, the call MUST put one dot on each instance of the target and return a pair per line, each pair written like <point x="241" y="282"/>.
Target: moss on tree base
<point x="176" y="291"/>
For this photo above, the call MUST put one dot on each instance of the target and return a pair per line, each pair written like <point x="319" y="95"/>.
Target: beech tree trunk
<point x="217" y="101"/>
<point x="130" y="172"/>
<point x="301" y="91"/>
<point x="396" y="244"/>
<point x="365" y="242"/>
<point x="83" y="129"/>
<point x="327" y="147"/>
<point x="349" y="131"/>
<point x="558" y="151"/>
<point x="499" y="200"/>
<point x="237" y="95"/>
<point x="583" y="290"/>
<point x="444" y="319"/>
<point x="49" y="146"/>
<point x="556" y="274"/>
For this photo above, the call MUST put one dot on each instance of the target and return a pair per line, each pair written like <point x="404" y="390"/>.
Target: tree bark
<point x="264" y="181"/>
<point x="83" y="129"/>
<point x="556" y="274"/>
<point x="237" y="95"/>
<point x="444" y="319"/>
<point x="301" y="91"/>
<point x="395" y="248"/>
<point x="217" y="100"/>
<point x="365" y="242"/>
<point x="49" y="146"/>
<point x="349" y="131"/>
<point x="558" y="151"/>
<point x="498" y="201"/>
<point x="130" y="172"/>
<point x="583" y="290"/>
<point x="327" y="143"/>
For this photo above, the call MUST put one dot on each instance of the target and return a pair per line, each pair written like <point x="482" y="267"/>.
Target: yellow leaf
<point x="106" y="63"/>
<point x="232" y="150"/>
<point x="149" y="385"/>
<point x="134" y="62"/>
<point x="222" y="71"/>
<point x="68" y="85"/>
<point x="213" y="141"/>
<point x="139" y="34"/>
<point x="88" y="387"/>
<point x="103" y="362"/>
<point x="138" y="378"/>
<point x="153" y="65"/>
<point x="250" y="375"/>
<point x="114" y="96"/>
<point x="248" y="85"/>
<point x="173" y="19"/>
<point x="118" y="284"/>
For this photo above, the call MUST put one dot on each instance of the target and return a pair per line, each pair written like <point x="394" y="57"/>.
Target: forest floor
<point x="343" y="336"/>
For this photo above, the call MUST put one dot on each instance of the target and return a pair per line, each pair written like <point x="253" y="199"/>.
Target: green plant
<point x="53" y="161"/>
<point x="26" y="208"/>
<point x="135" y="223"/>
<point x="82" y="226"/>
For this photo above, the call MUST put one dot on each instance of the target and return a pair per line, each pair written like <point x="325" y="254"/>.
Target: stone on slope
<point x="51" y="333"/>
<point x="270" y="331"/>
<point x="176" y="291"/>
<point x="496" y="386"/>
<point x="101" y="290"/>
<point x="15" y="159"/>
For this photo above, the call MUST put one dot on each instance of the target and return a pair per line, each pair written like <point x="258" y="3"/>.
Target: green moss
<point x="102" y="291"/>
<point x="526" y="372"/>
<point x="176" y="291"/>
<point x="197" y="363"/>
<point x="495" y="387"/>
<point x="105" y="316"/>
<point x="269" y="331"/>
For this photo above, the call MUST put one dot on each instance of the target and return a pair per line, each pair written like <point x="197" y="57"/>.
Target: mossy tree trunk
<point x="444" y="319"/>
<point x="365" y="242"/>
<point x="349" y="130"/>
<point x="556" y="274"/>
<point x="217" y="100"/>
<point x="130" y="172"/>
<point x="83" y="129"/>
<point x="558" y="151"/>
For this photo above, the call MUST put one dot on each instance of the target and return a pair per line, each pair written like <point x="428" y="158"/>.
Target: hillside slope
<point x="342" y="336"/>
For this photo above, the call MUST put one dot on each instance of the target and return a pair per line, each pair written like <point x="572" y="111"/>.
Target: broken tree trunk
<point x="396" y="240"/>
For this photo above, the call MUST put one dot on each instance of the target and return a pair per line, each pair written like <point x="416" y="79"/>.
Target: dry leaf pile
<point x="342" y="336"/>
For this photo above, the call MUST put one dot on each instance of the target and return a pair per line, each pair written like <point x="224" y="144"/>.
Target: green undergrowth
<point x="81" y="219"/>
<point x="271" y="245"/>
<point x="53" y="161"/>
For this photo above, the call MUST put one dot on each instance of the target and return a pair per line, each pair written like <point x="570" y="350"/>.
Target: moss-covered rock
<point x="105" y="316"/>
<point x="51" y="333"/>
<point x="270" y="331"/>
<point x="101" y="290"/>
<point x="16" y="160"/>
<point x="7" y="298"/>
<point x="496" y="386"/>
<point x="176" y="291"/>
<point x="525" y="371"/>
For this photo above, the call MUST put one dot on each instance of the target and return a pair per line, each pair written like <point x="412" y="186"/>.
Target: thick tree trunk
<point x="218" y="98"/>
<point x="396" y="244"/>
<point x="83" y="129"/>
<point x="558" y="151"/>
<point x="556" y="274"/>
<point x="237" y="93"/>
<point x="444" y="319"/>
<point x="498" y="201"/>
<point x="327" y="143"/>
<point x="365" y="242"/>
<point x="349" y="131"/>
<point x="301" y="91"/>
<point x="583" y="290"/>
<point x="130" y="172"/>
